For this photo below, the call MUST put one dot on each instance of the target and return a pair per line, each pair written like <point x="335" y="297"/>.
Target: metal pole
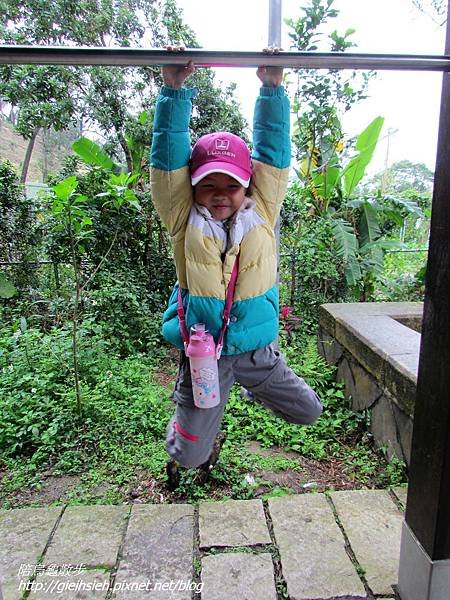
<point x="126" y="57"/>
<point x="274" y="37"/>
<point x="274" y="40"/>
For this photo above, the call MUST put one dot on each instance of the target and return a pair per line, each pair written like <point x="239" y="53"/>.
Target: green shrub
<point x="253" y="421"/>
<point x="125" y="308"/>
<point x="125" y="414"/>
<point x="38" y="405"/>
<point x="35" y="409"/>
<point x="311" y="273"/>
<point x="20" y="233"/>
<point x="340" y="432"/>
<point x="402" y="279"/>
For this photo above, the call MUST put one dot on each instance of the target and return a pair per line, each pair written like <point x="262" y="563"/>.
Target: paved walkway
<point x="342" y="545"/>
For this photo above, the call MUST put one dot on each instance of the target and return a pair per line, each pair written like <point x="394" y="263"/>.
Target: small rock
<point x="310" y="485"/>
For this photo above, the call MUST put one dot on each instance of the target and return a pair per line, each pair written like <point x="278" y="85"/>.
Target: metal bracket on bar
<point x="59" y="55"/>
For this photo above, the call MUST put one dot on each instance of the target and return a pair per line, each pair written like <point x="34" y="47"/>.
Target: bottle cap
<point x="198" y="329"/>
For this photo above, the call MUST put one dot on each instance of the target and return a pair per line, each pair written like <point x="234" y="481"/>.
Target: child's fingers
<point x="188" y="69"/>
<point x="272" y="50"/>
<point x="261" y="71"/>
<point x="175" y="48"/>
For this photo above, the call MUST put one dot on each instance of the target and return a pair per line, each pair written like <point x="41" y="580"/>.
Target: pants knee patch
<point x="189" y="436"/>
<point x="182" y="446"/>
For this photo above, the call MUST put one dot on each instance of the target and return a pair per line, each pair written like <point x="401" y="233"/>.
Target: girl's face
<point x="220" y="194"/>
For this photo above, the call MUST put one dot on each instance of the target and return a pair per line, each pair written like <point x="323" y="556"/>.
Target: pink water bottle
<point x="204" y="374"/>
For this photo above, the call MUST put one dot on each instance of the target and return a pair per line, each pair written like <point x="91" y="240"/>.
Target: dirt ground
<point x="308" y="476"/>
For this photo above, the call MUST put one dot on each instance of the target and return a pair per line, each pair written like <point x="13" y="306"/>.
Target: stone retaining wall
<point x="375" y="347"/>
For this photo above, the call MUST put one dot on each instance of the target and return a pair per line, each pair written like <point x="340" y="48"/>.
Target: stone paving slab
<point x="88" y="535"/>
<point x="238" y="576"/>
<point x="86" y="585"/>
<point x="312" y="548"/>
<point x="23" y="533"/>
<point x="157" y="553"/>
<point x="233" y="523"/>
<point x="155" y="548"/>
<point x="372" y="524"/>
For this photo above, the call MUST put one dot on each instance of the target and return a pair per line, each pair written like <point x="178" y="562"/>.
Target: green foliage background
<point x="105" y="284"/>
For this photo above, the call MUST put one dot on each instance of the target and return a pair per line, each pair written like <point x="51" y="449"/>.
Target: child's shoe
<point x="245" y="394"/>
<point x="205" y="469"/>
<point x="173" y="475"/>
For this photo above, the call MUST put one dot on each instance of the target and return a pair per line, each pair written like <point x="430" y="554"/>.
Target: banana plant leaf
<point x="346" y="241"/>
<point x="408" y="205"/>
<point x="353" y="272"/>
<point x="365" y="144"/>
<point x="325" y="180"/>
<point x="369" y="229"/>
<point x="93" y="154"/>
<point x="347" y="247"/>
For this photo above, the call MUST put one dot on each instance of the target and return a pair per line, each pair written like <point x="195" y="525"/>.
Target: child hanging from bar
<point x="220" y="204"/>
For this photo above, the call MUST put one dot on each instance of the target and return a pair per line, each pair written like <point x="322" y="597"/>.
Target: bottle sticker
<point x="207" y="374"/>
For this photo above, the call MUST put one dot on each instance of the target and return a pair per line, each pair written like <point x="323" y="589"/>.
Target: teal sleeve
<point x="171" y="146"/>
<point x="271" y="128"/>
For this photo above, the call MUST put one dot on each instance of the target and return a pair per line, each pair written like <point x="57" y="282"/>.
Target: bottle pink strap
<point x="228" y="305"/>
<point x="182" y="319"/>
<point x="226" y="313"/>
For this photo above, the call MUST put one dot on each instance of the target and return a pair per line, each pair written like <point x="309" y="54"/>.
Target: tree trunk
<point x="28" y="153"/>
<point x="126" y="150"/>
<point x="12" y="116"/>
<point x="46" y="154"/>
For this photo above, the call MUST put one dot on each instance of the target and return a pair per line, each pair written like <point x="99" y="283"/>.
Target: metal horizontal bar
<point x="58" y="55"/>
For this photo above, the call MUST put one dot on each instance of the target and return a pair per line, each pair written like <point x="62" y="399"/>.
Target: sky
<point x="409" y="101"/>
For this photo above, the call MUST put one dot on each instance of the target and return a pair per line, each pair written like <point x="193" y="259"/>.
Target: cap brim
<point x="203" y="171"/>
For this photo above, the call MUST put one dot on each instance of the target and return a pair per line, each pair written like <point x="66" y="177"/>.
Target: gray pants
<point x="264" y="373"/>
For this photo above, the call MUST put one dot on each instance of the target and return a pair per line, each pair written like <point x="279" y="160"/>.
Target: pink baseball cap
<point x="221" y="152"/>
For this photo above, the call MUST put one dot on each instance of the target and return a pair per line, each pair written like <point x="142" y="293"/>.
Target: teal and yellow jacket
<point x="205" y="249"/>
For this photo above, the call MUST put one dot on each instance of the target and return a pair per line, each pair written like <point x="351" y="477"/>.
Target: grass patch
<point x="117" y="449"/>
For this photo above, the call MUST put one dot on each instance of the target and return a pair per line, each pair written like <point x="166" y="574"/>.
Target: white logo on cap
<point x="222" y="144"/>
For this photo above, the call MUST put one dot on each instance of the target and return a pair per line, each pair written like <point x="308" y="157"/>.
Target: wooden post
<point x="424" y="572"/>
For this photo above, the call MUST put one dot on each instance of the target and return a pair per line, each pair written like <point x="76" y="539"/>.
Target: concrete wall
<point x="375" y="347"/>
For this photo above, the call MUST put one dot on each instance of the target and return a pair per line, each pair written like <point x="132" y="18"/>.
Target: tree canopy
<point x="402" y="176"/>
<point x="104" y="99"/>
